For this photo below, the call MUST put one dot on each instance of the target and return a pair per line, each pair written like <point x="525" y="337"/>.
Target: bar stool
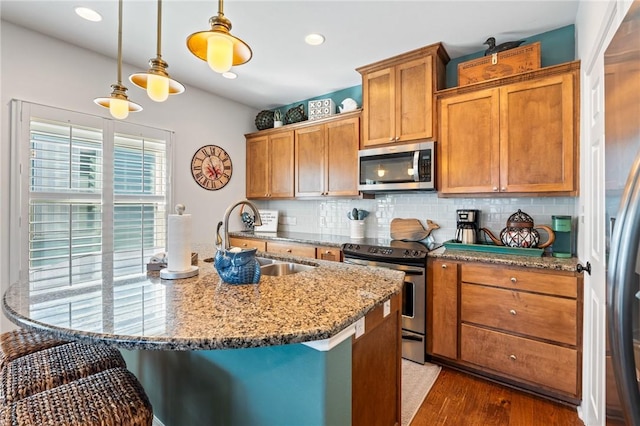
<point x="49" y="368"/>
<point x="109" y="398"/>
<point x="20" y="342"/>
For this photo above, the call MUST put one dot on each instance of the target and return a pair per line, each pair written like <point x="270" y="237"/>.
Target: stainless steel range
<point x="410" y="258"/>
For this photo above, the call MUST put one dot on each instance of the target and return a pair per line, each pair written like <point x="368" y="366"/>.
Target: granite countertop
<point x="295" y="237"/>
<point x="541" y="262"/>
<point x="203" y="312"/>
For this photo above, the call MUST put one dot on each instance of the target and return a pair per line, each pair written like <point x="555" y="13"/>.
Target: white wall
<point x="42" y="70"/>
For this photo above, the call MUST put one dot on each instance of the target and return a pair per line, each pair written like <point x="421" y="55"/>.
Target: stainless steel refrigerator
<point x="622" y="197"/>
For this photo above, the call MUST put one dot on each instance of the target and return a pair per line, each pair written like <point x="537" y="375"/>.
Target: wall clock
<point x="211" y="167"/>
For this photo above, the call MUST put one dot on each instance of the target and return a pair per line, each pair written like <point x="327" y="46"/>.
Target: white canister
<point x="357" y="228"/>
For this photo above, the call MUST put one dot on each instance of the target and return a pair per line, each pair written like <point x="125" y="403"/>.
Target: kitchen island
<point x="279" y="352"/>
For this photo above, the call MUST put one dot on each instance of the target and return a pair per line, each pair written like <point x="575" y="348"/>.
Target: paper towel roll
<point x="179" y="243"/>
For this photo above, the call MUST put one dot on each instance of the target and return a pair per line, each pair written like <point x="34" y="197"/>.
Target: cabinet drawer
<point x="540" y="363"/>
<point x="536" y="315"/>
<point x="329" y="253"/>
<point x="517" y="279"/>
<point x="247" y="243"/>
<point x="292" y="249"/>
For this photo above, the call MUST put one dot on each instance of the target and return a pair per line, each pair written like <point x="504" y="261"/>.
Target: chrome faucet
<point x="257" y="221"/>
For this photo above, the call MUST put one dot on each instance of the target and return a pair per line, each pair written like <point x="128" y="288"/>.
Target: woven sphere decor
<point x="264" y="120"/>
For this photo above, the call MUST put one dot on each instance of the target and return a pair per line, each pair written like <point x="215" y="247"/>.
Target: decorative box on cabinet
<point x="514" y="135"/>
<point x="397" y="96"/>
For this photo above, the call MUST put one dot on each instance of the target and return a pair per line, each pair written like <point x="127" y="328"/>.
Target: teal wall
<point x="277" y="385"/>
<point x="556" y="47"/>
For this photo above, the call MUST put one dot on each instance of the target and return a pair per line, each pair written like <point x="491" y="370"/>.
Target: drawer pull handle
<point x="444" y="266"/>
<point x="512" y="357"/>
<point x="288" y="250"/>
<point x="512" y="312"/>
<point x="244" y="244"/>
<point x="514" y="280"/>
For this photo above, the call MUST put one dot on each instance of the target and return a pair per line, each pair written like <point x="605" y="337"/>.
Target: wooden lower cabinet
<point x="329" y="253"/>
<point x="291" y="248"/>
<point x="522" y="326"/>
<point x="248" y="243"/>
<point x="541" y="364"/>
<point x="376" y="368"/>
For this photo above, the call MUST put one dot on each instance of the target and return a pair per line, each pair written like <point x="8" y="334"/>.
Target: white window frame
<point x="21" y="112"/>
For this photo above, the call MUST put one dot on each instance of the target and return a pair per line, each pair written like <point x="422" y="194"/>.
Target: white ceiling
<point x="284" y="69"/>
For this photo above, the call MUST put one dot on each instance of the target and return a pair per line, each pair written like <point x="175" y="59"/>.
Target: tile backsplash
<point x="330" y="216"/>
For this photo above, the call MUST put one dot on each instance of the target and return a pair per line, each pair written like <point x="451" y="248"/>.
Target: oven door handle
<point x="413" y="270"/>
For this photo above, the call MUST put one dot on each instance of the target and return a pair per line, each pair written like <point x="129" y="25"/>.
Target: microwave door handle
<point x="416" y="171"/>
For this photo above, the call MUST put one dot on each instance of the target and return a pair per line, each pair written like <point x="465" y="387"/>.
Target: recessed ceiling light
<point x="230" y="75"/>
<point x="314" y="39"/>
<point x="88" y="14"/>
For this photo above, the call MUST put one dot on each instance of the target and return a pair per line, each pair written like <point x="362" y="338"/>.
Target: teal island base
<point x="276" y="385"/>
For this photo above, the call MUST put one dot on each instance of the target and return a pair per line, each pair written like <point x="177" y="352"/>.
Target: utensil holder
<point x="357" y="228"/>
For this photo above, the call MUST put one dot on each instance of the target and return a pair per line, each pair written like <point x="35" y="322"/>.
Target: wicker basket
<point x="295" y="115"/>
<point x="264" y="120"/>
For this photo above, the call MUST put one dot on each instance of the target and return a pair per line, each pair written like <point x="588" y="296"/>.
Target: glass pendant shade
<point x="156" y="80"/>
<point x="215" y="44"/>
<point x="220" y="53"/>
<point x="157" y="87"/>
<point x="119" y="108"/>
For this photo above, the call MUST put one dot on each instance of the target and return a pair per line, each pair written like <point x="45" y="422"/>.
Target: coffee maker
<point x="467" y="229"/>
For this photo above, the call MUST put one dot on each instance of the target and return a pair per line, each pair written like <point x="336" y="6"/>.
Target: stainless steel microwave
<point x="398" y="168"/>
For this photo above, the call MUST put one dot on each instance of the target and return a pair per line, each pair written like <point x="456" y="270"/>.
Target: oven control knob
<point x="407" y="252"/>
<point x="416" y="253"/>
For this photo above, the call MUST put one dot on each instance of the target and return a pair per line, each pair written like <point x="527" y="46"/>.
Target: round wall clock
<point x="211" y="167"/>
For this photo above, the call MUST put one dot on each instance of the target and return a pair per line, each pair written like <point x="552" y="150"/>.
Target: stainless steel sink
<point x="278" y="269"/>
<point x="264" y="261"/>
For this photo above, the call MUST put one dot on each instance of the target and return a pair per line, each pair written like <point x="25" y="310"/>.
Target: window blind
<point x="93" y="198"/>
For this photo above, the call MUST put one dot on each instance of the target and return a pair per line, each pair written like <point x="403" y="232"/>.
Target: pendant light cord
<point x="159" y="28"/>
<point x="120" y="42"/>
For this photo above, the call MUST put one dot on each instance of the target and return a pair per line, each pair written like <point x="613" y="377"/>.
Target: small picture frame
<point x="269" y="221"/>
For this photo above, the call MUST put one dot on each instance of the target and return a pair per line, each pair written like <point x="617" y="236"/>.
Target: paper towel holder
<point x="193" y="270"/>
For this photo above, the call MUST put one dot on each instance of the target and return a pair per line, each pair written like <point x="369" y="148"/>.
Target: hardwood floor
<point x="457" y="398"/>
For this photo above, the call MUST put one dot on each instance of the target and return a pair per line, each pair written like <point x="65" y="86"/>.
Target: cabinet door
<point x="444" y="309"/>
<point x="258" y="167"/>
<point x="343" y="138"/>
<point x="281" y="165"/>
<point x="537" y="148"/>
<point x="310" y="158"/>
<point x="378" y="100"/>
<point x="469" y="142"/>
<point x="414" y="100"/>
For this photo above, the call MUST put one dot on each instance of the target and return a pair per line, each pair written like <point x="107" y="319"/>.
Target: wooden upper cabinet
<point x="270" y="165"/>
<point x="326" y="158"/>
<point x="310" y="161"/>
<point x="469" y="142"/>
<point x="343" y="140"/>
<point x="397" y="96"/>
<point x="537" y="128"/>
<point x="516" y="135"/>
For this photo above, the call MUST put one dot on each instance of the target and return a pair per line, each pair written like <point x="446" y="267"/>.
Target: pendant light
<point x="217" y="46"/>
<point x="118" y="103"/>
<point x="157" y="81"/>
